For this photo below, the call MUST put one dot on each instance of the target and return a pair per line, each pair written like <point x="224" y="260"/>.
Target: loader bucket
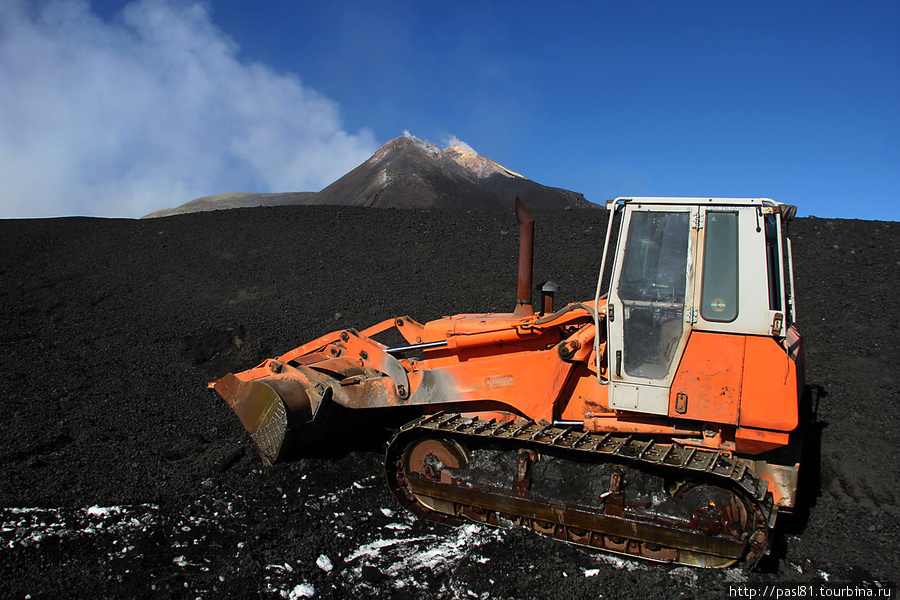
<point x="260" y="410"/>
<point x="268" y="408"/>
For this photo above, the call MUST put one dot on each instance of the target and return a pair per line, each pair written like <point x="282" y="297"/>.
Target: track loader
<point x="657" y="420"/>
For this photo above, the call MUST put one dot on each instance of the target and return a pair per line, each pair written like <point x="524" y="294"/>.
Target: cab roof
<point x="698" y="201"/>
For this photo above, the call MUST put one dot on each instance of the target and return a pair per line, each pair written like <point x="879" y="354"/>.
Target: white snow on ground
<point x="620" y="562"/>
<point x="324" y="563"/>
<point x="405" y="551"/>
<point x="182" y="561"/>
<point x="364" y="484"/>
<point x="304" y="590"/>
<point x="405" y="560"/>
<point x="24" y="527"/>
<point x="405" y="554"/>
<point x="400" y="551"/>
<point x="732" y="575"/>
<point x="123" y="531"/>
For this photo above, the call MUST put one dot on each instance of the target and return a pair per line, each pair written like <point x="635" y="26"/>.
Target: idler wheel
<point x="426" y="459"/>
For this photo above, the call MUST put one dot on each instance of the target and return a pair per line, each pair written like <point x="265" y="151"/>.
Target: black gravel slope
<point x="122" y="476"/>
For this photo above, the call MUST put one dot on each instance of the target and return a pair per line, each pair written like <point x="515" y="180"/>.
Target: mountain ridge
<point x="407" y="172"/>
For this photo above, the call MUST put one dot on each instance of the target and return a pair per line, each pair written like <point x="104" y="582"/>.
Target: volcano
<point x="411" y="173"/>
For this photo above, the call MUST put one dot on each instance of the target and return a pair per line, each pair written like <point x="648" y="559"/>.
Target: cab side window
<point x="719" y="292"/>
<point x="772" y="263"/>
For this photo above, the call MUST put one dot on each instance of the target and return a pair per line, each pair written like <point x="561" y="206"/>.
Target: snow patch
<point x="476" y="164"/>
<point x="422" y="144"/>
<point x="372" y="549"/>
<point x="621" y="563"/>
<point x="102" y="511"/>
<point x="28" y="526"/>
<point x="363" y="484"/>
<point x="733" y="575"/>
<point x="324" y="563"/>
<point x="181" y="561"/>
<point x="304" y="590"/>
<point x="405" y="560"/>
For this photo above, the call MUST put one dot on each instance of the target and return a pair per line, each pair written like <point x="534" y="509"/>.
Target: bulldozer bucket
<point x="271" y="406"/>
<point x="261" y="412"/>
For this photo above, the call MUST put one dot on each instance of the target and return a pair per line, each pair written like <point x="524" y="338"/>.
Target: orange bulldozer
<point x="657" y="420"/>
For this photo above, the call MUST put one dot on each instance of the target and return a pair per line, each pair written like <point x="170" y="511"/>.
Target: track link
<point x="435" y="493"/>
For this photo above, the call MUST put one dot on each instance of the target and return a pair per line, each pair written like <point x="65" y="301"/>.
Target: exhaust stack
<point x="526" y="260"/>
<point x="547" y="292"/>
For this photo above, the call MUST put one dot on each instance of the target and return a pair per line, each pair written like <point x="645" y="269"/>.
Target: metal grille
<point x="269" y="437"/>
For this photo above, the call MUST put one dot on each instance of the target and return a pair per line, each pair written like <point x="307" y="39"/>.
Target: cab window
<point x="652" y="290"/>
<point x="719" y="294"/>
<point x="772" y="263"/>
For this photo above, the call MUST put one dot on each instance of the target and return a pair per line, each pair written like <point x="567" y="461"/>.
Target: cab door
<point x="649" y="305"/>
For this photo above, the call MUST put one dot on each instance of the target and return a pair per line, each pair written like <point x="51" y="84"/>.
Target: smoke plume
<point x="150" y="109"/>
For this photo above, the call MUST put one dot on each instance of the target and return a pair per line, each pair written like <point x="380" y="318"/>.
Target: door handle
<point x="618" y="363"/>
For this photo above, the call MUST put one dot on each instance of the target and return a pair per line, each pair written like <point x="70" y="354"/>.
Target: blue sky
<point x="115" y="108"/>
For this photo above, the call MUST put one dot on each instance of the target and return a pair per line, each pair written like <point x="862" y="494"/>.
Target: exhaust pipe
<point x="547" y="292"/>
<point x="526" y="260"/>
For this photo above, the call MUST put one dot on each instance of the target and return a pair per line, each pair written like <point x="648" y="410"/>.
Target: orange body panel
<point x="769" y="398"/>
<point x="488" y="334"/>
<point x="757" y="441"/>
<point x="528" y="383"/>
<point x="707" y="386"/>
<point x="587" y="398"/>
<point x="742" y="382"/>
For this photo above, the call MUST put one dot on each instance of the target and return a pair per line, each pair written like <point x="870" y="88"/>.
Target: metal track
<point x="651" y="542"/>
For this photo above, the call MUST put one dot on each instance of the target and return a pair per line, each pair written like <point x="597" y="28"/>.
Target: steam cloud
<point x="455" y="142"/>
<point x="149" y="110"/>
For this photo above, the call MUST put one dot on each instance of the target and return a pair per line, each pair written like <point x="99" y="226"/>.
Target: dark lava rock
<point x="124" y="476"/>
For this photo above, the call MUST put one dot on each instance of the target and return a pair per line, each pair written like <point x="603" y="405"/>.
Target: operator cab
<point x="684" y="266"/>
